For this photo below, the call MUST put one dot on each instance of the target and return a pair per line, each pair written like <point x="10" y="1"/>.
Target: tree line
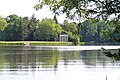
<point x="106" y="10"/>
<point x="15" y="28"/>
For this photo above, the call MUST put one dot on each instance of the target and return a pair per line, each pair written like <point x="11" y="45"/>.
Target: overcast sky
<point x="24" y="8"/>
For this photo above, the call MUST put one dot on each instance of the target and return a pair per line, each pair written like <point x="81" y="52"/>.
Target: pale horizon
<point x="25" y="8"/>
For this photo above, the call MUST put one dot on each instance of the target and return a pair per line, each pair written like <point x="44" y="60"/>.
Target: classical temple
<point x="63" y="38"/>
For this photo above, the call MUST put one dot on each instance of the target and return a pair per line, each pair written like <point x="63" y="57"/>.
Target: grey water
<point x="57" y="63"/>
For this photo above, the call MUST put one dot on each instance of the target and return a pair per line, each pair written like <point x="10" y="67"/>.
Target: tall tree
<point x="32" y="26"/>
<point x="13" y="31"/>
<point x="83" y="8"/>
<point x="47" y="30"/>
<point x="115" y="24"/>
<point x="70" y="27"/>
<point x="88" y="31"/>
<point x="3" y="23"/>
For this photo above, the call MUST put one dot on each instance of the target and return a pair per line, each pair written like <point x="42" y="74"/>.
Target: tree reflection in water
<point x="24" y="58"/>
<point x="28" y="58"/>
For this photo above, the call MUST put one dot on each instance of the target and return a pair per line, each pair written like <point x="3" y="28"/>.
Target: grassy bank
<point x="39" y="43"/>
<point x="35" y="43"/>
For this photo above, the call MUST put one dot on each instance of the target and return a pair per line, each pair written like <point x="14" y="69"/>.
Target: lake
<point x="57" y="63"/>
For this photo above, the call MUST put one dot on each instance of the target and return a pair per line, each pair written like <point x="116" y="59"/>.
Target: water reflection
<point x="21" y="61"/>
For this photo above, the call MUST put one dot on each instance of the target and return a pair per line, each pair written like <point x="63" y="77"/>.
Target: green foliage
<point x="88" y="30"/>
<point x="3" y="23"/>
<point x="104" y="34"/>
<point x="91" y="30"/>
<point x="72" y="30"/>
<point x="47" y="30"/>
<point x="114" y="56"/>
<point x="18" y="28"/>
<point x="97" y="31"/>
<point x="11" y="32"/>
<point x="70" y="27"/>
<point x="75" y="39"/>
<point x="88" y="9"/>
<point x="83" y="8"/>
<point x="115" y="24"/>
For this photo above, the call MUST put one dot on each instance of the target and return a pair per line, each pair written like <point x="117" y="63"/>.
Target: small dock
<point x="26" y="44"/>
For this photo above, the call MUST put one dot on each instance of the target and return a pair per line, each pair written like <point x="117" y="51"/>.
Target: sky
<point x="25" y="8"/>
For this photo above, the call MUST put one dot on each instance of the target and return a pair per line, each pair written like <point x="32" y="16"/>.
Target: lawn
<point x="36" y="43"/>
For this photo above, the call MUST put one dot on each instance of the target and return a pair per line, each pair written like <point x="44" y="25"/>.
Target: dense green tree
<point x="12" y="18"/>
<point x="105" y="32"/>
<point x="24" y="22"/>
<point x="115" y="33"/>
<point x="96" y="31"/>
<point x="70" y="27"/>
<point x="3" y="23"/>
<point x="24" y="28"/>
<point x="13" y="31"/>
<point x="47" y="30"/>
<point x="28" y="27"/>
<point x="19" y="28"/>
<point x="32" y="26"/>
<point x="88" y="31"/>
<point x="82" y="9"/>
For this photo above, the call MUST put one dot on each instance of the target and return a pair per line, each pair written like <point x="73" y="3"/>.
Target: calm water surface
<point x="46" y="63"/>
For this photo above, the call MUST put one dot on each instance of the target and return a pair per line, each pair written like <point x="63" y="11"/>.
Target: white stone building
<point x="63" y="38"/>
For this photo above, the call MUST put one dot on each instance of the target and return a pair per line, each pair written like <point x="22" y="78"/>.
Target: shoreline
<point x="34" y="43"/>
<point x="50" y="43"/>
